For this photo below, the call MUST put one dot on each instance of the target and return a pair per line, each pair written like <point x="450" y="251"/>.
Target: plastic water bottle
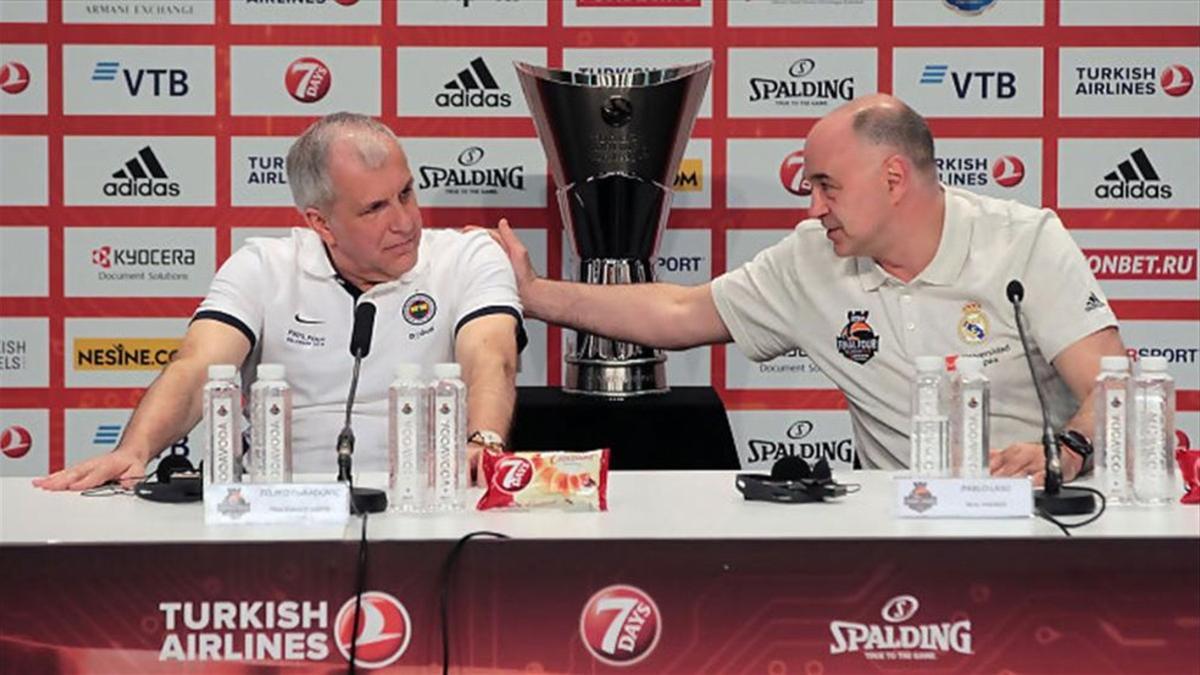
<point x="222" y="420"/>
<point x="930" y="449"/>
<point x="409" y="448"/>
<point x="1153" y="425"/>
<point x="1111" y="432"/>
<point x="971" y="423"/>
<point x="270" y="426"/>
<point x="449" y="470"/>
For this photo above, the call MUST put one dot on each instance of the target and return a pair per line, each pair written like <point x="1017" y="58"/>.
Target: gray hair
<point x="308" y="158"/>
<point x="899" y="127"/>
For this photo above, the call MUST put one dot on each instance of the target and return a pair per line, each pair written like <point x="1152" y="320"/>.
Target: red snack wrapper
<point x="1189" y="466"/>
<point x="570" y="480"/>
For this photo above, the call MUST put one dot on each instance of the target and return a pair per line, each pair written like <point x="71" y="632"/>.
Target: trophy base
<point x="616" y="379"/>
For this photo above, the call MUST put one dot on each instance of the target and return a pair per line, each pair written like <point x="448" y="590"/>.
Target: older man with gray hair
<point x="441" y="295"/>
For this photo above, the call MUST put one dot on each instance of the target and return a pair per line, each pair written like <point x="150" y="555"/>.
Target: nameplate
<point x="276" y="504"/>
<point x="963" y="497"/>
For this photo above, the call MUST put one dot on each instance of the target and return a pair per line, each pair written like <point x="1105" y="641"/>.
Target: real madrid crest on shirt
<point x="858" y="341"/>
<point x="419" y="308"/>
<point x="973" y="326"/>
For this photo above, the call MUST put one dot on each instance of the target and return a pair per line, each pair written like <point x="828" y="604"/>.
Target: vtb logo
<point x="308" y="79"/>
<point x="15" y="441"/>
<point x="1176" y="80"/>
<point x="791" y="174"/>
<point x="384" y="630"/>
<point x="999" y="84"/>
<point x="160" y="81"/>
<point x="14" y="77"/>
<point x="1008" y="171"/>
<point x="620" y="625"/>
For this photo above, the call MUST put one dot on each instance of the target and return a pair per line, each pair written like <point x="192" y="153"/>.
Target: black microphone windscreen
<point x="1015" y="291"/>
<point x="364" y="325"/>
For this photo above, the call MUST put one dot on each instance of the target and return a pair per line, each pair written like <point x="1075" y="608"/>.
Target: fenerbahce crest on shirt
<point x="858" y="341"/>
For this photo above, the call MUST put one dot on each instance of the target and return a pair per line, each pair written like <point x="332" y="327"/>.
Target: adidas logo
<point x="473" y="87"/>
<point x="1135" y="178"/>
<point x="142" y="176"/>
<point x="1093" y="303"/>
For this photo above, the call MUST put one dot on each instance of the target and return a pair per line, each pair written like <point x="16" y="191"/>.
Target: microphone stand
<point x="1053" y="498"/>
<point x="362" y="500"/>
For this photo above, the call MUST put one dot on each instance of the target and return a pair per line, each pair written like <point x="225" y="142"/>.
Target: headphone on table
<point x="175" y="481"/>
<point x="793" y="481"/>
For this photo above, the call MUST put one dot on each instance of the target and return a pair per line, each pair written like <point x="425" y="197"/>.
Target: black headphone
<point x="175" y="481"/>
<point x="793" y="481"/>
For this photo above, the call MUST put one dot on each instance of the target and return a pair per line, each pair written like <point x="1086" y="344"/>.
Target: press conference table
<point x="736" y="586"/>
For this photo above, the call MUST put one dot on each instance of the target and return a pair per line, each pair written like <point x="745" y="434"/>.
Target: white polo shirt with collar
<point x="288" y="300"/>
<point x="864" y="328"/>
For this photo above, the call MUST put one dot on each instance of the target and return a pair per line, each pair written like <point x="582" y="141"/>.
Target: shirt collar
<point x="948" y="261"/>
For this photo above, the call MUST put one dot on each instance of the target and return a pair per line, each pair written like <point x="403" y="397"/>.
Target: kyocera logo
<point x="620" y="625"/>
<point x="308" y="79"/>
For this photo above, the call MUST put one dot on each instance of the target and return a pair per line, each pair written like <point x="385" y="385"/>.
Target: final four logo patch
<point x="858" y="341"/>
<point x="973" y="326"/>
<point x="419" y="309"/>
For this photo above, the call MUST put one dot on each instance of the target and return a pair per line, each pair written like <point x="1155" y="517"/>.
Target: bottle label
<point x="275" y="441"/>
<point x="407" y="420"/>
<point x="444" y="451"/>
<point x="1114" y="441"/>
<point x="222" y="426"/>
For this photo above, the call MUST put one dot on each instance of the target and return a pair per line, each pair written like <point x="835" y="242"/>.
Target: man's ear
<point x="898" y="174"/>
<point x="319" y="224"/>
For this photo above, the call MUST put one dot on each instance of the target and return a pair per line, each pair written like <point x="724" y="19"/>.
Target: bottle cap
<point x="970" y="365"/>
<point x="271" y="371"/>
<point x="930" y="364"/>
<point x="1114" y="364"/>
<point x="222" y="371"/>
<point x="444" y="371"/>
<point x="1154" y="364"/>
<point x="408" y="371"/>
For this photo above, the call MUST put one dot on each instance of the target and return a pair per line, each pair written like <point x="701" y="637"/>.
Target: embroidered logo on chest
<point x="419" y="309"/>
<point x="858" y="341"/>
<point x="973" y="327"/>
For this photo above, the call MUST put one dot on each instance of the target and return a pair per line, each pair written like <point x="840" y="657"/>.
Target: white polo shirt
<point x="864" y="328"/>
<point x="286" y="297"/>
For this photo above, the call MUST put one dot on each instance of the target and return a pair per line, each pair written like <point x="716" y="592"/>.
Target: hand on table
<point x="1029" y="459"/>
<point x="119" y="465"/>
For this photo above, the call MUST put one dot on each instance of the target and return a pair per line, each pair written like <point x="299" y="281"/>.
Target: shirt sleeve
<point x="1063" y="301"/>
<point x="236" y="294"/>
<point x="489" y="285"/>
<point x="757" y="301"/>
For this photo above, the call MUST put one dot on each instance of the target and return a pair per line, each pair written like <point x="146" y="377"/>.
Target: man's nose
<point x="400" y="219"/>
<point x="818" y="207"/>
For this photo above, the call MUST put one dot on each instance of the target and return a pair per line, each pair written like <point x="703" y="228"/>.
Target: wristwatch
<point x="488" y="439"/>
<point x="1080" y="445"/>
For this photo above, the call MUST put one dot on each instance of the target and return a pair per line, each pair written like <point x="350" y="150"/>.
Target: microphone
<point x="362" y="500"/>
<point x="1053" y="498"/>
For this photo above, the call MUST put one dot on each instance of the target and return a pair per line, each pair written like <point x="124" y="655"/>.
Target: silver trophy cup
<point x="614" y="142"/>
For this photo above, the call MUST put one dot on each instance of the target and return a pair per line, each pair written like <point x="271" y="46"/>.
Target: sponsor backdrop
<point x="141" y="141"/>
<point x="902" y="607"/>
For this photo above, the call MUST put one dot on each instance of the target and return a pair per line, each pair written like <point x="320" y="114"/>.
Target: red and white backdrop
<point x="141" y="141"/>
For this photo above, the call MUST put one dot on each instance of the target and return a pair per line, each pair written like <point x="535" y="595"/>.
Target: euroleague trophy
<point x="614" y="142"/>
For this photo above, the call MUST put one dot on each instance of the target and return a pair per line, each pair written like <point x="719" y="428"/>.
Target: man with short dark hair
<point x="441" y="296"/>
<point x="891" y="265"/>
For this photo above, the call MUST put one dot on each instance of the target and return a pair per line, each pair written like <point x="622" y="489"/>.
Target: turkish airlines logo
<point x="1176" y="80"/>
<point x="513" y="474"/>
<point x="308" y="80"/>
<point x="384" y="630"/>
<point x="14" y="77"/>
<point x="620" y="625"/>
<point x="1008" y="171"/>
<point x="1142" y="264"/>
<point x="791" y="174"/>
<point x="15" y="442"/>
